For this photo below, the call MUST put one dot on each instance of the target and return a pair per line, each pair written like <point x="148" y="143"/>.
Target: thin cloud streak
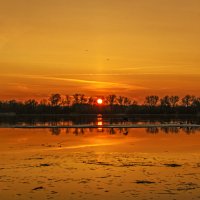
<point x="159" y="70"/>
<point x="95" y="84"/>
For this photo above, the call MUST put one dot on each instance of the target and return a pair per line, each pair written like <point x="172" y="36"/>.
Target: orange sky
<point x="133" y="48"/>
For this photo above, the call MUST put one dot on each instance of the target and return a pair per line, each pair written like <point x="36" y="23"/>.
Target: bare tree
<point x="91" y="101"/>
<point x="151" y="100"/>
<point x="76" y="98"/>
<point x="165" y="101"/>
<point x="31" y="103"/>
<point x="127" y="101"/>
<point x="120" y="100"/>
<point x="188" y="100"/>
<point x="44" y="102"/>
<point x="174" y="100"/>
<point x="55" y="99"/>
<point x="111" y="99"/>
<point x="134" y="102"/>
<point x="66" y="100"/>
<point x="196" y="102"/>
<point x="82" y="99"/>
<point x="79" y="98"/>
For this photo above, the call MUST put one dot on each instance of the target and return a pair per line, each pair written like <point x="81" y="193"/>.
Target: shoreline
<point x="107" y="126"/>
<point x="79" y="114"/>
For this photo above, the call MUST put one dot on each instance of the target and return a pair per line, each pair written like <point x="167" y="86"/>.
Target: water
<point x="60" y="120"/>
<point x="99" y="163"/>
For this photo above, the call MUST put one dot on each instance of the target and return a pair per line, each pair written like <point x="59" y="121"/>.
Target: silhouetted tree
<point x="13" y="106"/>
<point x="134" y="103"/>
<point x="43" y="102"/>
<point x="82" y="99"/>
<point x="123" y="101"/>
<point x="111" y="99"/>
<point x="127" y="101"/>
<point x="76" y="98"/>
<point x="120" y="100"/>
<point x="67" y="100"/>
<point x="165" y="101"/>
<point x="174" y="100"/>
<point x="30" y="105"/>
<point x="31" y="102"/>
<point x="151" y="100"/>
<point x="79" y="103"/>
<point x="91" y="101"/>
<point x="196" y="102"/>
<point x="188" y="100"/>
<point x="55" y="99"/>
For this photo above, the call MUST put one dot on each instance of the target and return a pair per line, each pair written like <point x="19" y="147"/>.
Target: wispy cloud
<point x="97" y="84"/>
<point x="78" y="80"/>
<point x="84" y="82"/>
<point x="159" y="70"/>
<point x="127" y="68"/>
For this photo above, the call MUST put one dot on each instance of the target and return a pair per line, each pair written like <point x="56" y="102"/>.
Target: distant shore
<point x="79" y="114"/>
<point x="175" y="125"/>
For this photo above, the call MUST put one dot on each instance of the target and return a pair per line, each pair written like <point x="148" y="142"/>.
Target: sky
<point x="99" y="47"/>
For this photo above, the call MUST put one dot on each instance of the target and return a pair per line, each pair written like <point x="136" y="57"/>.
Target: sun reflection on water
<point x="99" y="123"/>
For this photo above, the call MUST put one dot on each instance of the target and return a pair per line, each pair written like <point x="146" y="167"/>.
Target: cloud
<point x="87" y="84"/>
<point x="127" y="68"/>
<point x="177" y="69"/>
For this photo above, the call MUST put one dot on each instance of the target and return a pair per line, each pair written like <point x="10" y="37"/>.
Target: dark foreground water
<point x="100" y="163"/>
<point x="62" y="120"/>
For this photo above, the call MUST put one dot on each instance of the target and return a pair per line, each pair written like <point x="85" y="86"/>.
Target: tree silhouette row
<point x="112" y="104"/>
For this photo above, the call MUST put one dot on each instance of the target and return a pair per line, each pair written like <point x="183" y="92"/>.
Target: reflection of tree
<point x="55" y="131"/>
<point x="167" y="130"/>
<point x="170" y="129"/>
<point x="76" y="131"/>
<point x="90" y="130"/>
<point x="189" y="130"/>
<point x="123" y="131"/>
<point x="67" y="130"/>
<point x="153" y="130"/>
<point x="82" y="130"/>
<point x="174" y="129"/>
<point x="79" y="131"/>
<point x="112" y="131"/>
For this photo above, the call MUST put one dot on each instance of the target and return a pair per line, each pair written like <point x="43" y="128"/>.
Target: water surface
<point x="90" y="163"/>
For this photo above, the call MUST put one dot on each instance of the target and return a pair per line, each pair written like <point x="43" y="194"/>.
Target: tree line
<point x="112" y="104"/>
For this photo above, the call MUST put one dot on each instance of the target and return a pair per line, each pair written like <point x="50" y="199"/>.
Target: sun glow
<point x="99" y="101"/>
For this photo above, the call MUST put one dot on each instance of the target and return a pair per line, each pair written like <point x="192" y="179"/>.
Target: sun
<point x="99" y="101"/>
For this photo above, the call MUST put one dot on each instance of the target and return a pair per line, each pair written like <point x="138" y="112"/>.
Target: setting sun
<point x="99" y="101"/>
